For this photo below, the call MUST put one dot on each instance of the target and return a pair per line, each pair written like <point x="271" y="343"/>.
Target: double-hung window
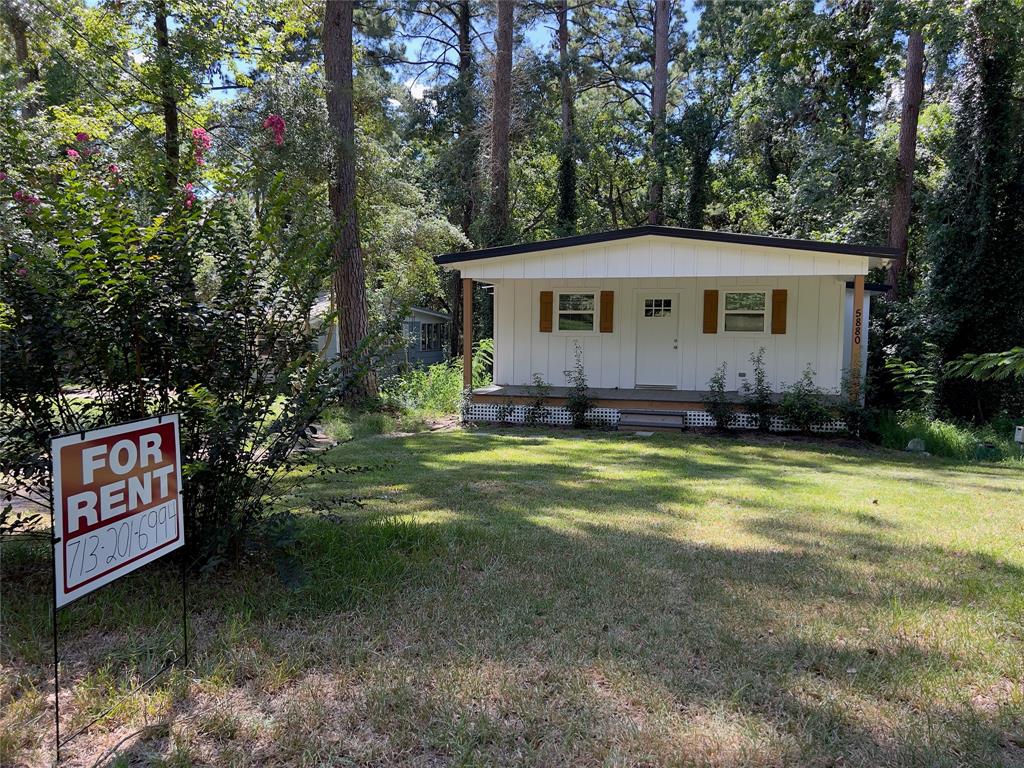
<point x="576" y="311"/>
<point x="430" y="336"/>
<point x="744" y="311"/>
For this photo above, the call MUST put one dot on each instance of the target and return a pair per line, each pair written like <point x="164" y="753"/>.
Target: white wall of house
<point x="653" y="256"/>
<point x="815" y="319"/>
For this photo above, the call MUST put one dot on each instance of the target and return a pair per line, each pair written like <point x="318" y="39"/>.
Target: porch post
<point x="467" y="332"/>
<point x="858" y="335"/>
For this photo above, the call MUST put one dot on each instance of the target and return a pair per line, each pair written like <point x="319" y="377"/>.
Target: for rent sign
<point x="116" y="502"/>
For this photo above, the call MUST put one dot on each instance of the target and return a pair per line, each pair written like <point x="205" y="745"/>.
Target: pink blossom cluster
<point x="276" y="124"/>
<point x="26" y="198"/>
<point x="190" y="196"/>
<point x="201" y="143"/>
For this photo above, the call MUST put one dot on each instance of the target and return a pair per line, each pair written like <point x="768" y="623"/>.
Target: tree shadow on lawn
<point x="804" y="649"/>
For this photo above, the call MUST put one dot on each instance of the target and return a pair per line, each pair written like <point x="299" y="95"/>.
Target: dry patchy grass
<point x="528" y="598"/>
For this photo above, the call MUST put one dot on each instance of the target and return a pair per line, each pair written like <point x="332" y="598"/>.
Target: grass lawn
<point x="547" y="598"/>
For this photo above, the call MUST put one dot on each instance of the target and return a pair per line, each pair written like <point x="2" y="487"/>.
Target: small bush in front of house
<point x="715" y="401"/>
<point x="757" y="397"/>
<point x="579" y="401"/>
<point x="435" y="391"/>
<point x="540" y="391"/>
<point x="803" y="403"/>
<point x="990" y="442"/>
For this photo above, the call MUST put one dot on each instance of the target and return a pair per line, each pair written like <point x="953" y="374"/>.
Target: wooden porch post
<point x="858" y="335"/>
<point x="467" y="332"/>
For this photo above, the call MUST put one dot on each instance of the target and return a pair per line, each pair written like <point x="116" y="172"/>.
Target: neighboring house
<point x="657" y="309"/>
<point x="424" y="330"/>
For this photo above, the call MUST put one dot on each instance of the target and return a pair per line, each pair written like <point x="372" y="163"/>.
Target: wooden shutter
<point x="710" y="311"/>
<point x="607" y="310"/>
<point x="547" y="302"/>
<point x="779" y="310"/>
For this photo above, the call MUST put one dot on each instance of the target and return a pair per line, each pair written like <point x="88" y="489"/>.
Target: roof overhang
<point x="703" y="235"/>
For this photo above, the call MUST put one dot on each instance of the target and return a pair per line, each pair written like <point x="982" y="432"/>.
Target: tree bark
<point x="500" y="123"/>
<point x="566" y="215"/>
<point x="467" y="155"/>
<point x="168" y="102"/>
<point x="659" y="94"/>
<point x="348" y="282"/>
<point x="902" y="196"/>
<point x="18" y="29"/>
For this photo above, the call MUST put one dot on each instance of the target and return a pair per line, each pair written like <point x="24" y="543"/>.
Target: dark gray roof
<point x="877" y="251"/>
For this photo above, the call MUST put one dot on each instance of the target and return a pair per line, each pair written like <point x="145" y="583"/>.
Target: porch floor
<point x="665" y="396"/>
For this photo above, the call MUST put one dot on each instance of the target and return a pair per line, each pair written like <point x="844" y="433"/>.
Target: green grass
<point x="554" y="598"/>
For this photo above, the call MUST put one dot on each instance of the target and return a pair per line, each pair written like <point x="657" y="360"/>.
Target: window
<point x="744" y="312"/>
<point x="430" y="336"/>
<point x="657" y="307"/>
<point x="576" y="311"/>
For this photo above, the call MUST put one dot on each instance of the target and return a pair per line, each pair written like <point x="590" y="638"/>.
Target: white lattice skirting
<point x="557" y="415"/>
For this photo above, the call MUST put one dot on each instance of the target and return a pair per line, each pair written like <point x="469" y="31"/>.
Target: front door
<point x="657" y="340"/>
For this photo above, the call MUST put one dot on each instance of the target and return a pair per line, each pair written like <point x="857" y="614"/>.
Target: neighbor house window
<point x="430" y="336"/>
<point x="744" y="311"/>
<point x="576" y="311"/>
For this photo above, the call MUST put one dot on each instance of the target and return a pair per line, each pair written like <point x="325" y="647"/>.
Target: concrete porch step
<point x="651" y="420"/>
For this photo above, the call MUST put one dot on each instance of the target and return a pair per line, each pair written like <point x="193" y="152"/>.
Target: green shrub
<point x="435" y="390"/>
<point x="715" y="401"/>
<point x="803" y="403"/>
<point x="992" y="442"/>
<point x="578" y="401"/>
<point x="537" y="411"/>
<point x="757" y="397"/>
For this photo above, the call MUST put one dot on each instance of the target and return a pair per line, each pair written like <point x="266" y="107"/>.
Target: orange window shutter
<point x="710" y="311"/>
<point x="607" y="310"/>
<point x="547" y="301"/>
<point x="779" y="310"/>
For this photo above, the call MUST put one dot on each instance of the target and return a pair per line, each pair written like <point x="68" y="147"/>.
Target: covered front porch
<point x="664" y="399"/>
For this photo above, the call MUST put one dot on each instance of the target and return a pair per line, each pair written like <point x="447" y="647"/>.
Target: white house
<point x="657" y="309"/>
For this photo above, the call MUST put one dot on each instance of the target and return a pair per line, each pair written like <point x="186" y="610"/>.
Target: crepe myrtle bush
<point x="102" y="322"/>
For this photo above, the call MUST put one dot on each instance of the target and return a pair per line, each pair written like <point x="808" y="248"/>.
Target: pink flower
<point x="114" y="168"/>
<point x="22" y="271"/>
<point x="81" y="136"/>
<point x="190" y="196"/>
<point x="276" y="124"/>
<point x="73" y="155"/>
<point x="201" y="142"/>
<point x="26" y="198"/>
<point x="3" y="176"/>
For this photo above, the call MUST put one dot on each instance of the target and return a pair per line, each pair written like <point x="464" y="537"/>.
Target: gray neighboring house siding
<point x="413" y="353"/>
<point x="427" y="332"/>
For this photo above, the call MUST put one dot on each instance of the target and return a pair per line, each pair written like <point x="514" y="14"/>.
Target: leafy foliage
<point x="715" y="400"/>
<point x="578" y="401"/>
<point x="991" y="365"/>
<point x="106" y="326"/>
<point x="758" y="396"/>
<point x="803" y="403"/>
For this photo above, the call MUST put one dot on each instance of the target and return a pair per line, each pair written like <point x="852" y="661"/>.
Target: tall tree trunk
<point x="566" y="215"/>
<point x="349" y="279"/>
<point x="168" y="102"/>
<point x="902" y="195"/>
<point x="18" y="29"/>
<point x="500" y="118"/>
<point x="659" y="94"/>
<point x="467" y="155"/>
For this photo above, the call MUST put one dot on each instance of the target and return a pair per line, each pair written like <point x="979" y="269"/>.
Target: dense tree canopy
<point x="778" y="118"/>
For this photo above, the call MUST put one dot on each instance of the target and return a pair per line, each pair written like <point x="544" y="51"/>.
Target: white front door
<point x="657" y="340"/>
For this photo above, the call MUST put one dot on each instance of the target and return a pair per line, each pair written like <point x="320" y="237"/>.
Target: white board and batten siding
<point x="813" y="332"/>
<point x="654" y="256"/>
<point x="814" y="281"/>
